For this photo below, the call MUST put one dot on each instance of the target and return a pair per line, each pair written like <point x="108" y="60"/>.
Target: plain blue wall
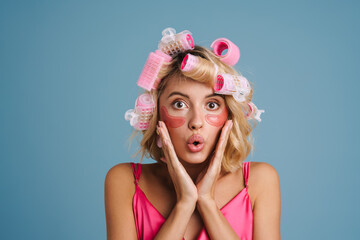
<point x="68" y="72"/>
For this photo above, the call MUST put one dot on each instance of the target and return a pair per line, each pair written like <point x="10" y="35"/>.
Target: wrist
<point x="205" y="199"/>
<point x="185" y="207"/>
<point x="205" y="202"/>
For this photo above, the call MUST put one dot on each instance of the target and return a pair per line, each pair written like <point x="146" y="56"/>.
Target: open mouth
<point x="195" y="143"/>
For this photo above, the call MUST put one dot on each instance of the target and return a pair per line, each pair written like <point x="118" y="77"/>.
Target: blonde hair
<point x="239" y="144"/>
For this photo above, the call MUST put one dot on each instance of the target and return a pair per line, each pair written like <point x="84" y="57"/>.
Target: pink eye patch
<point x="171" y="121"/>
<point x="217" y="120"/>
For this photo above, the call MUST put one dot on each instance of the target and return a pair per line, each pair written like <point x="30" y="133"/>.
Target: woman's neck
<point x="192" y="169"/>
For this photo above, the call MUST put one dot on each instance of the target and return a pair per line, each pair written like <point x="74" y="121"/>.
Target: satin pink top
<point x="237" y="211"/>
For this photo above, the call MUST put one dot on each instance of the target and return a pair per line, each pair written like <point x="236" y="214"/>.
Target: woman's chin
<point x="192" y="158"/>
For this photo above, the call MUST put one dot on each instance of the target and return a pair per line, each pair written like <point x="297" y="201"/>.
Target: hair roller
<point x="148" y="77"/>
<point x="172" y="43"/>
<point x="254" y="112"/>
<point x="189" y="62"/>
<point x="233" y="52"/>
<point x="235" y="85"/>
<point x="197" y="67"/>
<point x="225" y="84"/>
<point x="141" y="116"/>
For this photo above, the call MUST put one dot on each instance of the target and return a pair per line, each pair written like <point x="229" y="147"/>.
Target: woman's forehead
<point x="187" y="85"/>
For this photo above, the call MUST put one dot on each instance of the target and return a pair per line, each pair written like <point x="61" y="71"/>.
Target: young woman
<point x="200" y="187"/>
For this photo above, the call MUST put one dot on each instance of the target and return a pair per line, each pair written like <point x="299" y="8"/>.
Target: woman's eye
<point x="213" y="105"/>
<point x="179" y="104"/>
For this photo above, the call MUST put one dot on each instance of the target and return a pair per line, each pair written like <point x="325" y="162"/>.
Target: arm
<point x="119" y="190"/>
<point x="186" y="192"/>
<point x="215" y="223"/>
<point x="267" y="205"/>
<point x="175" y="225"/>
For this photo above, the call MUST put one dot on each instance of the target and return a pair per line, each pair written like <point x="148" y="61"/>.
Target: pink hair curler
<point x="148" y="77"/>
<point x="233" y="53"/>
<point x="189" y="62"/>
<point x="254" y="112"/>
<point x="235" y="85"/>
<point x="172" y="43"/>
<point x="141" y="116"/>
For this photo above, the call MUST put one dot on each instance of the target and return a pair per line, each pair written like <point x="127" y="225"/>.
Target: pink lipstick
<point x="195" y="143"/>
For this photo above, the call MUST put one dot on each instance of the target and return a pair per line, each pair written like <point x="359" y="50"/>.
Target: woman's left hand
<point x="206" y="180"/>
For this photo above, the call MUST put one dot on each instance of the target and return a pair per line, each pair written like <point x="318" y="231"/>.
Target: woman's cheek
<point x="217" y="120"/>
<point x="171" y="121"/>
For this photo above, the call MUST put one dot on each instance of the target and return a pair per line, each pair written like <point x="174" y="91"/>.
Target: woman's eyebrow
<point x="213" y="95"/>
<point x="178" y="93"/>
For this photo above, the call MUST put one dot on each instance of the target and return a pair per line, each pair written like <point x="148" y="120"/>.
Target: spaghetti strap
<point x="136" y="172"/>
<point x="246" y="172"/>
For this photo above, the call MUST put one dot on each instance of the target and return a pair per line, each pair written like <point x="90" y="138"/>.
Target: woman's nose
<point x="196" y="120"/>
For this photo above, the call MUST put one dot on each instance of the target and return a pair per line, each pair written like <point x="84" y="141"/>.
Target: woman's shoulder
<point x="262" y="176"/>
<point x="262" y="171"/>
<point x="120" y="171"/>
<point x="259" y="171"/>
<point x="121" y="177"/>
<point x="123" y="173"/>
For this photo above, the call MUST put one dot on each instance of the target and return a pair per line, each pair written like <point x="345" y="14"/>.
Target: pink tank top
<point x="237" y="211"/>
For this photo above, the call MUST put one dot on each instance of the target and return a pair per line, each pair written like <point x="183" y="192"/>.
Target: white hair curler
<point x="235" y="85"/>
<point x="254" y="112"/>
<point x="141" y="116"/>
<point x="172" y="43"/>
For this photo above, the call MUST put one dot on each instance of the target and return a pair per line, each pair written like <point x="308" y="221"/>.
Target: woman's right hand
<point x="186" y="191"/>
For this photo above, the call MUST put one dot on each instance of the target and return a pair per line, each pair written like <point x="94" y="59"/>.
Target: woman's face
<point x="194" y="117"/>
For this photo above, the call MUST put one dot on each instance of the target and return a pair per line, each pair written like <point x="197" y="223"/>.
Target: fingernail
<point x="230" y="125"/>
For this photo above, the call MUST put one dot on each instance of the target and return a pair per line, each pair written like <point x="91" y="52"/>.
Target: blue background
<point x="68" y="72"/>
